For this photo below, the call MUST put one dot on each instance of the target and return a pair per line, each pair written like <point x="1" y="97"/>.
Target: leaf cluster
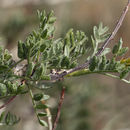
<point x="6" y="61"/>
<point x="104" y="64"/>
<point x="39" y="102"/>
<point x="6" y="118"/>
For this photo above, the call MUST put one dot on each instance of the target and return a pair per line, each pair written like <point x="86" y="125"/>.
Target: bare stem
<point x="59" y="109"/>
<point x="118" y="25"/>
<point x="9" y="101"/>
<point x="17" y="63"/>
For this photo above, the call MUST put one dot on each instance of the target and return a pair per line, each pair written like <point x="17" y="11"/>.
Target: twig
<point x="118" y="25"/>
<point x="59" y="109"/>
<point x="17" y="63"/>
<point x="6" y="103"/>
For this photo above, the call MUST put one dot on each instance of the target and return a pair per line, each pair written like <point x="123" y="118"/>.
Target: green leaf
<point x="7" y="56"/>
<point x="3" y="89"/>
<point x="45" y="55"/>
<point x="67" y="51"/>
<point x="122" y="51"/>
<point x="30" y="68"/>
<point x="102" y="30"/>
<point x="65" y="62"/>
<point x="46" y="97"/>
<point x="20" y="50"/>
<point x="112" y="64"/>
<point x="14" y="88"/>
<point x="2" y="116"/>
<point x="43" y="123"/>
<point x="93" y="64"/>
<point x="7" y="118"/>
<point x="96" y="34"/>
<point x="115" y="49"/>
<point x="39" y="13"/>
<point x="26" y="50"/>
<point x="100" y="34"/>
<point x="74" y="64"/>
<point x="93" y="42"/>
<point x="44" y="34"/>
<point x="120" y="43"/>
<point x="38" y="96"/>
<point x="43" y="23"/>
<point x="45" y="77"/>
<point x="72" y="39"/>
<point x="102" y="65"/>
<point x="52" y="20"/>
<point x="124" y="73"/>
<point x="106" y="51"/>
<point x="40" y="70"/>
<point x="41" y="106"/>
<point x="43" y="47"/>
<point x="4" y="68"/>
<point x="21" y="88"/>
<point x="42" y="114"/>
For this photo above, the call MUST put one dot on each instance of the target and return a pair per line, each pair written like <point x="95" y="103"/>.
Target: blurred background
<point x="92" y="102"/>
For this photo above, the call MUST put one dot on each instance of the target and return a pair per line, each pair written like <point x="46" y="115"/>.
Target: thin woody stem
<point x="9" y="101"/>
<point x="59" y="109"/>
<point x="118" y="25"/>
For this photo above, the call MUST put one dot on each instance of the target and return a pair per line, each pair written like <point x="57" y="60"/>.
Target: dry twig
<point x="9" y="101"/>
<point x="59" y="109"/>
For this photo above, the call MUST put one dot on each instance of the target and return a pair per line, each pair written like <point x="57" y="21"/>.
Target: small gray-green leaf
<point x="66" y="51"/>
<point x="46" y="97"/>
<point x="3" y="89"/>
<point x="2" y="116"/>
<point x="44" y="34"/>
<point x="41" y="114"/>
<point x="3" y="68"/>
<point x="124" y="73"/>
<point x="115" y="49"/>
<point x="38" y="96"/>
<point x="41" y="106"/>
<point x="106" y="50"/>
<point x="7" y="118"/>
<point x="122" y="51"/>
<point x="43" y="123"/>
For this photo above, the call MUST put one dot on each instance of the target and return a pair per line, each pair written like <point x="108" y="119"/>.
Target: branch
<point x="117" y="27"/>
<point x="59" y="109"/>
<point x="6" y="103"/>
<point x="87" y="71"/>
<point x="56" y="77"/>
<point x="104" y="72"/>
